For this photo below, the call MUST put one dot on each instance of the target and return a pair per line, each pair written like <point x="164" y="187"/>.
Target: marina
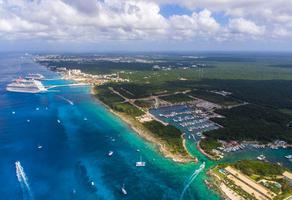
<point x="190" y="121"/>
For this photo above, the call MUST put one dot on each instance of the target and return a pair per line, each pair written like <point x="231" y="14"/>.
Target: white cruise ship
<point x="26" y="86"/>
<point x="35" y="76"/>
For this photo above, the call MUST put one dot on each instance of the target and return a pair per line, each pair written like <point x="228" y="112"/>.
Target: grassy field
<point x="145" y="104"/>
<point x="259" y="168"/>
<point x="128" y="109"/>
<point x="116" y="102"/>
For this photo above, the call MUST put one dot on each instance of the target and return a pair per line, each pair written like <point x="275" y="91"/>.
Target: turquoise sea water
<point x="74" y="151"/>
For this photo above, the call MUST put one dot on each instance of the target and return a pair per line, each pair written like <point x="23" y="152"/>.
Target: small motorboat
<point x="110" y="153"/>
<point x="124" y="191"/>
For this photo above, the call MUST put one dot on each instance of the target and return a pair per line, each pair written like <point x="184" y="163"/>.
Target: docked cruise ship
<point x="26" y="86"/>
<point x="35" y="76"/>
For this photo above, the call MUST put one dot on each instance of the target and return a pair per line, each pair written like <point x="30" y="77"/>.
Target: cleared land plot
<point x="215" y="98"/>
<point x="176" y="98"/>
<point x="247" y="188"/>
<point x="249" y="185"/>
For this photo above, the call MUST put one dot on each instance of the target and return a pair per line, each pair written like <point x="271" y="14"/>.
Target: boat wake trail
<point x="65" y="99"/>
<point x="23" y="181"/>
<point x="191" y="179"/>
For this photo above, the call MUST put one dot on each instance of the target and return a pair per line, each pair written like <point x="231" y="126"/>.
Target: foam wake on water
<point x="68" y="100"/>
<point x="23" y="181"/>
<point x="191" y="179"/>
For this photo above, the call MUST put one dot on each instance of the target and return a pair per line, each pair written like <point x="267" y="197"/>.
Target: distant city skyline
<point x="145" y="25"/>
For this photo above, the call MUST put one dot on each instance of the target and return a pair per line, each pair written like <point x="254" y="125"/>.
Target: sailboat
<point x="124" y="191"/>
<point x="140" y="163"/>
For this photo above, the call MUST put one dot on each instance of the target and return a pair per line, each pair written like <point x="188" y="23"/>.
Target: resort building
<point x="288" y="176"/>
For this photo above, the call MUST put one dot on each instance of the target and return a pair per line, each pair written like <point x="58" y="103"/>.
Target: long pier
<point x="67" y="85"/>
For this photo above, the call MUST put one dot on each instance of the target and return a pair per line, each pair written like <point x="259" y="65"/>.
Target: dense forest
<point x="252" y="122"/>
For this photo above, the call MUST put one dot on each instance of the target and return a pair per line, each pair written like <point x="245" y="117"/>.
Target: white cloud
<point x="281" y="32"/>
<point x="240" y="25"/>
<point x="274" y="14"/>
<point x="93" y="20"/>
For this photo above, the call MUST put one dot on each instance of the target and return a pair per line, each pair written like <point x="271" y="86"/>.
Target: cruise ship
<point x="35" y="76"/>
<point x="26" y="86"/>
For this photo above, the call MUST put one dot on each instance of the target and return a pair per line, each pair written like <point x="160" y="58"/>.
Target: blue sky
<point x="145" y="25"/>
<point x="168" y="10"/>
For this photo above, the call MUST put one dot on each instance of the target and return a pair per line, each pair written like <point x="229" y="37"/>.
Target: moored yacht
<point x="261" y="157"/>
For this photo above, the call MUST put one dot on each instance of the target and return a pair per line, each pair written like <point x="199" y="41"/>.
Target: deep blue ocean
<point x="61" y="160"/>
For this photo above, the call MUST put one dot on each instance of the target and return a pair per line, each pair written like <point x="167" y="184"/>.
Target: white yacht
<point x="26" y="86"/>
<point x="110" y="153"/>
<point x="140" y="163"/>
<point x="261" y="157"/>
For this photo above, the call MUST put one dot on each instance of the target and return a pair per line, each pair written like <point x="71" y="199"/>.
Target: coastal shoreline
<point x="157" y="141"/>
<point x="204" y="153"/>
<point x="143" y="132"/>
<point x="147" y="135"/>
<point x="224" y="191"/>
